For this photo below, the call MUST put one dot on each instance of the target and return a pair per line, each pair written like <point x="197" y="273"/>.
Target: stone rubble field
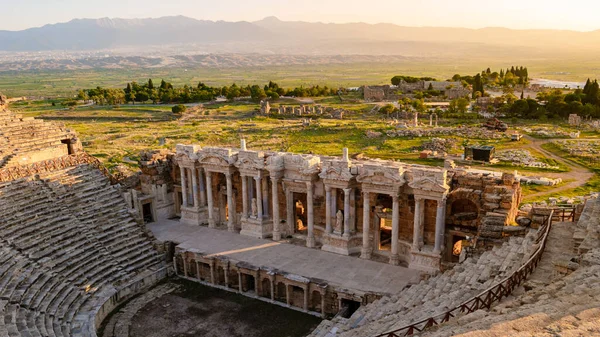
<point x="466" y="132"/>
<point x="581" y="148"/>
<point x="522" y="158"/>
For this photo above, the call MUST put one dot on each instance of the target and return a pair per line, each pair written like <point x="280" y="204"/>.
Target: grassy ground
<point x="116" y="135"/>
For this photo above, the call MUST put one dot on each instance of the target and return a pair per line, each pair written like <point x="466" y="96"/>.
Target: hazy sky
<point x="555" y="14"/>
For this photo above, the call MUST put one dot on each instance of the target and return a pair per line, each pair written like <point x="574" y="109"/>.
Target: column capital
<point x="347" y="191"/>
<point x="228" y="175"/>
<point x="395" y="197"/>
<point x="366" y="194"/>
<point x="257" y="178"/>
<point x="309" y="184"/>
<point x="327" y="188"/>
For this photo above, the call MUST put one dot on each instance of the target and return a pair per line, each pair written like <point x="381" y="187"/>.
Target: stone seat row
<point x="435" y="295"/>
<point x="63" y="247"/>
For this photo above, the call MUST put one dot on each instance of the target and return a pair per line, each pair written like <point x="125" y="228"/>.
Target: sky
<point x="518" y="14"/>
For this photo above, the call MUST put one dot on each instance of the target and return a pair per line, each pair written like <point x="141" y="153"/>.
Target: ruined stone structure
<point x="380" y="93"/>
<point x="574" y="119"/>
<point x="376" y="93"/>
<point x="409" y="214"/>
<point x="71" y="250"/>
<point x="25" y="140"/>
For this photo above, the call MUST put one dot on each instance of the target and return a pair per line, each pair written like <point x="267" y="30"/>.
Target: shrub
<point x="179" y="109"/>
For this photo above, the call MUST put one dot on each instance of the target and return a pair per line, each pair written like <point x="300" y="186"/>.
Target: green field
<point x="65" y="83"/>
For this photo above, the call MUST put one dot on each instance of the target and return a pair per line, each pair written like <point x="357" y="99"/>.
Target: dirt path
<point x="579" y="173"/>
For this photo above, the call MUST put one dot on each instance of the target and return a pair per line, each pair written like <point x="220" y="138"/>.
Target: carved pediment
<point x="336" y="173"/>
<point x="429" y="184"/>
<point x="213" y="160"/>
<point x="380" y="178"/>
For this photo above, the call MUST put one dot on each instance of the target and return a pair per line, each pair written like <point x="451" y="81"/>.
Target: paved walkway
<point x="339" y="270"/>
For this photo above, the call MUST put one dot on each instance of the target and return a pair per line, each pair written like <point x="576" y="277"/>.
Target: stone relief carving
<point x="339" y="221"/>
<point x="254" y="208"/>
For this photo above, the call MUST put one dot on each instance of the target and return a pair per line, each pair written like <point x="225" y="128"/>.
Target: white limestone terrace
<point x="338" y="270"/>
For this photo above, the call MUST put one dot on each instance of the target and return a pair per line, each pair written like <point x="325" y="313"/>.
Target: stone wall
<point x="322" y="200"/>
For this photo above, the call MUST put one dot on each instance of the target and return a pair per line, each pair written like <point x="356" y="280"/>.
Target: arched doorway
<point x="464" y="210"/>
<point x="315" y="301"/>
<point x="266" y="288"/>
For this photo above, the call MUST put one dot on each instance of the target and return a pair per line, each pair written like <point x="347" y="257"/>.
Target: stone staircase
<point x="67" y="245"/>
<point x="436" y="295"/>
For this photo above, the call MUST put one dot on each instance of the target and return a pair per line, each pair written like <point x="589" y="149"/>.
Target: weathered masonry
<point x="412" y="215"/>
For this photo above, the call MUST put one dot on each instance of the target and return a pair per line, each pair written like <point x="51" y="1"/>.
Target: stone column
<point x="202" y="188"/>
<point x="305" y="307"/>
<point x="347" y="212"/>
<point x="230" y="210"/>
<point x="184" y="266"/>
<point x="244" y="197"/>
<point x="366" y="249"/>
<point x="195" y="187"/>
<point x="226" y="274"/>
<point x="240" y="282"/>
<point x="328" y="228"/>
<point x="333" y="202"/>
<point x="276" y="220"/>
<point x="183" y="187"/>
<point x="259" y="209"/>
<point x="209" y="198"/>
<point x="440" y="225"/>
<point x="417" y="225"/>
<point x="310" y="216"/>
<point x="212" y="271"/>
<point x="395" y="257"/>
<point x="289" y="199"/>
<point x="287" y="294"/>
<point x="175" y="264"/>
<point x="323" y="304"/>
<point x="265" y="197"/>
<point x="272" y="281"/>
<point x="189" y="185"/>
<point x="198" y="270"/>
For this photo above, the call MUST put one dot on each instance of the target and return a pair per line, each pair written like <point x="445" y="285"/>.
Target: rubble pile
<point x="542" y="131"/>
<point x="522" y="158"/>
<point x="466" y="132"/>
<point x="440" y="145"/>
<point x="580" y="148"/>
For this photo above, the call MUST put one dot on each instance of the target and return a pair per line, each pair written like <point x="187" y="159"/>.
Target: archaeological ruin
<point x="373" y="247"/>
<point x="71" y="250"/>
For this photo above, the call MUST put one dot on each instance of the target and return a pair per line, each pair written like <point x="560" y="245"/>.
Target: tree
<point x="142" y="96"/>
<point x="178" y="109"/>
<point x="150" y="84"/>
<point x="82" y="95"/>
<point x="462" y="104"/>
<point x="478" y="85"/>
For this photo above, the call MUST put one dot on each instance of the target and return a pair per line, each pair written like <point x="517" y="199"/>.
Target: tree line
<point x="553" y="103"/>
<point x="135" y="92"/>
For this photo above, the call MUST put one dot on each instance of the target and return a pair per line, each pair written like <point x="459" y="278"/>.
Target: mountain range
<point x="273" y="36"/>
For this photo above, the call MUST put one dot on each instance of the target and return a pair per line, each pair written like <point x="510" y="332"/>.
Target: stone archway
<point x="464" y="210"/>
<point x="265" y="288"/>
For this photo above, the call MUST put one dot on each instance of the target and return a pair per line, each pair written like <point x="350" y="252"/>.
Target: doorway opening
<point x="147" y="212"/>
<point x="348" y="307"/>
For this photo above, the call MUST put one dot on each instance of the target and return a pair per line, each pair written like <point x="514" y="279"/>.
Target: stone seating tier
<point x="435" y="295"/>
<point x="67" y="241"/>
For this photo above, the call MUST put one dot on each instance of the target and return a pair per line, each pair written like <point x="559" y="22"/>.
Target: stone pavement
<point x="339" y="270"/>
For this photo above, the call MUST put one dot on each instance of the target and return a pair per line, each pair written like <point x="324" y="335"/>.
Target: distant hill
<point x="273" y="36"/>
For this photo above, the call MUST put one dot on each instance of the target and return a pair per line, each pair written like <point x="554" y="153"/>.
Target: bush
<point x="178" y="109"/>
